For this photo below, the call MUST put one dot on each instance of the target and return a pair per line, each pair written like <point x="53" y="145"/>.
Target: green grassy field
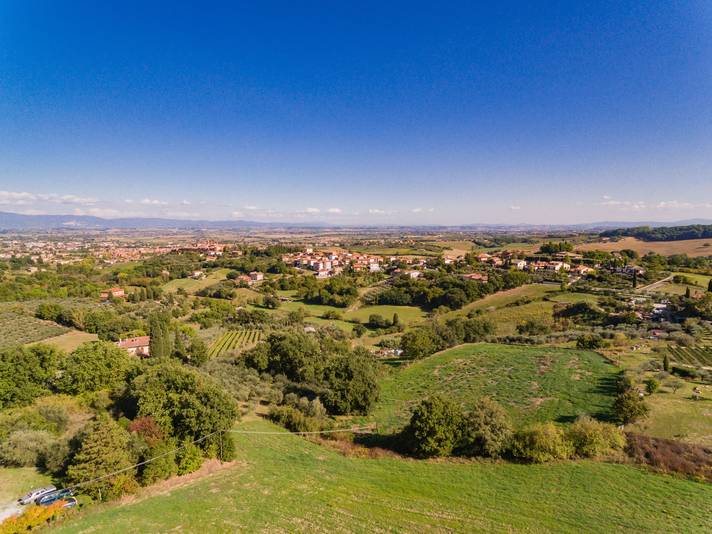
<point x="16" y="329"/>
<point x="16" y="481"/>
<point x="71" y="340"/>
<point x="670" y="288"/>
<point x="532" y="383"/>
<point x="406" y="314"/>
<point x="283" y="483"/>
<point x="677" y="416"/>
<point x="498" y="307"/>
<point x="507" y="319"/>
<point x="342" y="325"/>
<point x="191" y="286"/>
<point x="502" y="298"/>
<point x="701" y="280"/>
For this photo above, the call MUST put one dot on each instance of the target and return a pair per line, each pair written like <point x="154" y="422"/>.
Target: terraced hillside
<point x="234" y="340"/>
<point x="698" y="356"/>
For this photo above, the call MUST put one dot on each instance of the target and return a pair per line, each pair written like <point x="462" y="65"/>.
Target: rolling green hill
<point x="533" y="383"/>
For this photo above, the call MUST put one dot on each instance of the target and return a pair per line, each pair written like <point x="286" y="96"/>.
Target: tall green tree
<point x="434" y="427"/>
<point x="93" y="366"/>
<point x="185" y="404"/>
<point x="352" y="380"/>
<point x="26" y="373"/>
<point x="160" y="332"/>
<point x="485" y="430"/>
<point x="103" y="450"/>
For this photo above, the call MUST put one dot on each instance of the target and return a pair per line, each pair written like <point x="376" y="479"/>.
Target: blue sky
<point x="362" y="112"/>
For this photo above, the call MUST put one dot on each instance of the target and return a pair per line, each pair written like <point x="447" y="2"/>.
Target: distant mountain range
<point x="17" y="221"/>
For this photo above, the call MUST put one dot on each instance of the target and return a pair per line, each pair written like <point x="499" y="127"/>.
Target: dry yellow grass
<point x="691" y="247"/>
<point x="71" y="340"/>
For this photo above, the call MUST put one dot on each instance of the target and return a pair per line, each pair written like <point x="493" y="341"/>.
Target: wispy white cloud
<point x="515" y="208"/>
<point x="312" y="210"/>
<point x="24" y="198"/>
<point x="152" y="202"/>
<point x="334" y="211"/>
<point x="640" y="205"/>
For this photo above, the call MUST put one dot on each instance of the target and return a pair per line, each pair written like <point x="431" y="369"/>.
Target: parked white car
<point x="35" y="494"/>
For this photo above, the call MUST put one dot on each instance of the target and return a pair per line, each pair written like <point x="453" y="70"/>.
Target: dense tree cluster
<point x="108" y="323"/>
<point x="438" y="427"/>
<point x="662" y="233"/>
<point x="339" y="291"/>
<point x="344" y="379"/>
<point x="435" y="336"/>
<point x="551" y="247"/>
<point x="47" y="284"/>
<point x="439" y="289"/>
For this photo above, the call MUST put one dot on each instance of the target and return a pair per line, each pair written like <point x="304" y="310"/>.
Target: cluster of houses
<point x="561" y="262"/>
<point x="113" y="252"/>
<point x="569" y="262"/>
<point x="207" y="249"/>
<point x="327" y="264"/>
<point x="43" y="251"/>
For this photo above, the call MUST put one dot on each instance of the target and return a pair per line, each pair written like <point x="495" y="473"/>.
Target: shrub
<point x="485" y="431"/>
<point x="589" y="342"/>
<point x="418" y="343"/>
<point x="434" y="427"/>
<point x="592" y="439"/>
<point x="533" y="327"/>
<point x="190" y="458"/>
<point x="294" y="420"/>
<point x="163" y="467"/>
<point x="148" y="429"/>
<point x="629" y="407"/>
<point x="26" y="448"/>
<point x="671" y="456"/>
<point x="651" y="385"/>
<point x="542" y="442"/>
<point x="55" y="414"/>
<point x="35" y="518"/>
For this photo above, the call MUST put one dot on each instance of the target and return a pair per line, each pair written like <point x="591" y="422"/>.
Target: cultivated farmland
<point x="283" y="483"/>
<point x="691" y="247"/>
<point x="698" y="356"/>
<point x="16" y="329"/>
<point x="234" y="340"/>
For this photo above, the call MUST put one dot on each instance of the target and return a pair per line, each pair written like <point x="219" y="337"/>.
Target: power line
<point x="203" y="438"/>
<point x="149" y="460"/>
<point x="303" y="433"/>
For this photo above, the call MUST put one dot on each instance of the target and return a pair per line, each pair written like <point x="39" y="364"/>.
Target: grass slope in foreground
<point x="283" y="483"/>
<point x="533" y="383"/>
